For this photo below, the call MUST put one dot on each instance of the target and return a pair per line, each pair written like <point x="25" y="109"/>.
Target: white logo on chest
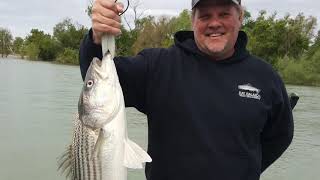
<point x="248" y="91"/>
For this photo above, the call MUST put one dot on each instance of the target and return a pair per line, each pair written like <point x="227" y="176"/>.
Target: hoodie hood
<point x="185" y="40"/>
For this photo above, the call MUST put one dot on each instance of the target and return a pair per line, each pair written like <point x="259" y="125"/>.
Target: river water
<point x="38" y="101"/>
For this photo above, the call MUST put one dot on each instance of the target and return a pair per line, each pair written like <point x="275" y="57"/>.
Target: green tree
<point x="125" y="41"/>
<point x="129" y="35"/>
<point x="89" y="8"/>
<point x="272" y="37"/>
<point x="262" y="38"/>
<point x="314" y="48"/>
<point x="313" y="57"/>
<point x="5" y="42"/>
<point x="248" y="22"/>
<point x="182" y="22"/>
<point x="68" y="56"/>
<point x="144" y="26"/>
<point x="35" y="36"/>
<point x="69" y="34"/>
<point x="159" y="32"/>
<point x="48" y="48"/>
<point x="32" y="51"/>
<point x="32" y="44"/>
<point x="43" y="44"/>
<point x="17" y="45"/>
<point x="298" y="35"/>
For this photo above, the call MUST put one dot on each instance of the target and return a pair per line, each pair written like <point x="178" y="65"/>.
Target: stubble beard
<point x="215" y="48"/>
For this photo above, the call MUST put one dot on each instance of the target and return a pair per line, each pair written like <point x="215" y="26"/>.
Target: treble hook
<point x="125" y="9"/>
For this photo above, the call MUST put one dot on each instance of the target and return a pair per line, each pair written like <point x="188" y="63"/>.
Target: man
<point x="214" y="111"/>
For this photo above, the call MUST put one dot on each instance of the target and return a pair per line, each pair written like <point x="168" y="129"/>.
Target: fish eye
<point x="89" y="83"/>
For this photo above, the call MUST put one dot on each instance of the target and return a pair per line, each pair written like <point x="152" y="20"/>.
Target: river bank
<point x="291" y="73"/>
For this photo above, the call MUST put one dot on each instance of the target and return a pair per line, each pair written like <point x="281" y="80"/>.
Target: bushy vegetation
<point x="303" y="71"/>
<point x="32" y="51"/>
<point x="288" y="43"/>
<point x="5" y="42"/>
<point x="62" y="46"/>
<point x="68" y="56"/>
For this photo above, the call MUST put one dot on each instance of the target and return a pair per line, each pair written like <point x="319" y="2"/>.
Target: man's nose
<point x="214" y="22"/>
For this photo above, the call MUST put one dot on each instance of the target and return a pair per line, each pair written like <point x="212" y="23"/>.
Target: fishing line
<point x="125" y="9"/>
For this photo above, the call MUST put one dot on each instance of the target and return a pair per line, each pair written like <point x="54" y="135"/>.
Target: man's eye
<point x="225" y="14"/>
<point x="204" y="16"/>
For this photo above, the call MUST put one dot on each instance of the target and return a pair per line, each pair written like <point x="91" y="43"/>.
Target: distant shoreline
<point x="18" y="57"/>
<point x="14" y="56"/>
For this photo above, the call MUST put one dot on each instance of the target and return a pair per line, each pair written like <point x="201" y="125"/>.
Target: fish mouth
<point x="97" y="63"/>
<point x="99" y="66"/>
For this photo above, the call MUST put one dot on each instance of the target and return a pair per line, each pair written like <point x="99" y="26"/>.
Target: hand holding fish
<point x="105" y="19"/>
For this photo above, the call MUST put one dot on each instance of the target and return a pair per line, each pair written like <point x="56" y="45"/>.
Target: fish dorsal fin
<point x="134" y="155"/>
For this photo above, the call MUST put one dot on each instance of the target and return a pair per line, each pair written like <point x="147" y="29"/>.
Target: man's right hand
<point x="105" y="19"/>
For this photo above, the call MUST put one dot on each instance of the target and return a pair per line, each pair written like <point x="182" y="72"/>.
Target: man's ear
<point x="192" y="18"/>
<point x="241" y="17"/>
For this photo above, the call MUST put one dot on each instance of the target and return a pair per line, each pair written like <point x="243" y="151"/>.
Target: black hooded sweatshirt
<point x="207" y="120"/>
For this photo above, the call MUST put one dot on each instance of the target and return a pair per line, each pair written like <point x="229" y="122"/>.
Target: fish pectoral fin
<point x="134" y="155"/>
<point x="98" y="145"/>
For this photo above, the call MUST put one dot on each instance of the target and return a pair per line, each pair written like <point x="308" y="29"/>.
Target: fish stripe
<point x="83" y="164"/>
<point x="84" y="167"/>
<point x="76" y="177"/>
<point x="76" y="151"/>
<point x="77" y="164"/>
<point x="82" y="155"/>
<point x="74" y="174"/>
<point x="87" y="156"/>
<point x="79" y="154"/>
<point x="100" y="169"/>
<point x="94" y="169"/>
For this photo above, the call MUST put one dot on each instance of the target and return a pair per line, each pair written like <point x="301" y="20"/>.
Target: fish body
<point x="101" y="149"/>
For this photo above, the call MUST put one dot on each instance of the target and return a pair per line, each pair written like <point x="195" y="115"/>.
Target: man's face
<point x="216" y="28"/>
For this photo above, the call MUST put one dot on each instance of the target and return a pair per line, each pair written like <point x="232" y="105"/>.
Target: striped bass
<point x="101" y="149"/>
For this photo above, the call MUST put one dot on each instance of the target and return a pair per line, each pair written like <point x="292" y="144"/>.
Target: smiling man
<point x="216" y="25"/>
<point x="214" y="111"/>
